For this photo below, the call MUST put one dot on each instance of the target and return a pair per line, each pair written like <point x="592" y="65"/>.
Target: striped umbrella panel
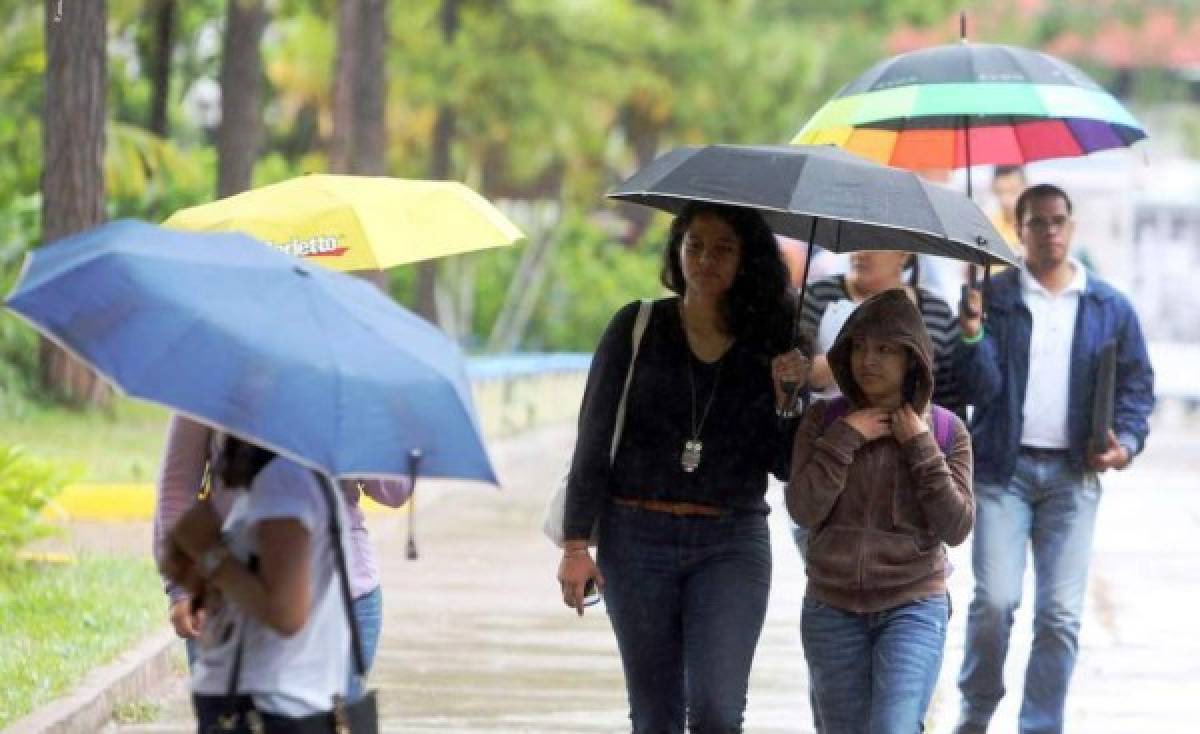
<point x="994" y="144"/>
<point x="931" y="105"/>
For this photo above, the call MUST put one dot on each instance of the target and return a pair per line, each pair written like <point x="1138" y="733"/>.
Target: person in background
<point x="190" y="453"/>
<point x="683" y="551"/>
<point x="870" y="478"/>
<point x="830" y="301"/>
<point x="1030" y="371"/>
<point x="1007" y="184"/>
<point x="821" y="264"/>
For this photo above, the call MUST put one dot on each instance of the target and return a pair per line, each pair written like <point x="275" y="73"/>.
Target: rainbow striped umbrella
<point x="967" y="104"/>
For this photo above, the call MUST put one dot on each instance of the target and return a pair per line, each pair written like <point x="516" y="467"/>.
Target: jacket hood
<point x="888" y="315"/>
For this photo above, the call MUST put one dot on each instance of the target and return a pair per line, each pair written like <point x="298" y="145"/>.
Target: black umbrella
<point x="825" y="196"/>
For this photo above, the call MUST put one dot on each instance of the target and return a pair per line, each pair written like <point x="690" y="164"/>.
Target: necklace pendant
<point x="691" y="454"/>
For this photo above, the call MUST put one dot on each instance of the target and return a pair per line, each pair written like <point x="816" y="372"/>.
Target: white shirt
<point x="292" y="676"/>
<point x="832" y="321"/>
<point x="1049" y="381"/>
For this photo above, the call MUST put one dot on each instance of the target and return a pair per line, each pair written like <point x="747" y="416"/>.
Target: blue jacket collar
<point x="1005" y="292"/>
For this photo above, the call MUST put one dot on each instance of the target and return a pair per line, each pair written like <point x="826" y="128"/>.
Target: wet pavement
<point x="476" y="638"/>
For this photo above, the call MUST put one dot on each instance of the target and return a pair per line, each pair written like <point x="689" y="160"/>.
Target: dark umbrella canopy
<point x="972" y="63"/>
<point x="824" y="195"/>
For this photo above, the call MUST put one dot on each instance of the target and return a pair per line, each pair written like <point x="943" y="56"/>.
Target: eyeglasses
<point x="1037" y="224"/>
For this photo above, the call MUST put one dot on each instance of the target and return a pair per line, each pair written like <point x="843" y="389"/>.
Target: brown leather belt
<point x="681" y="509"/>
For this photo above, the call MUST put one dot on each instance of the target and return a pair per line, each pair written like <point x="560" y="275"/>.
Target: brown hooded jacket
<point x="879" y="511"/>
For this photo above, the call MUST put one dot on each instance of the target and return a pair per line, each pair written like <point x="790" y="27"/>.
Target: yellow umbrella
<point x="358" y="222"/>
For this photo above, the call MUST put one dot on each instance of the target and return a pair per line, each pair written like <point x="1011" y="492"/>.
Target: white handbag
<point x="556" y="509"/>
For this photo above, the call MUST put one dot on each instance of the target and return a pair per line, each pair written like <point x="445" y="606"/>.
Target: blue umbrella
<point x="313" y="364"/>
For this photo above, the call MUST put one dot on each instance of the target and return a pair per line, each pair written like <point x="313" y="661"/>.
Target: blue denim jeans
<point x="874" y="673"/>
<point x="686" y="597"/>
<point x="368" y="612"/>
<point x="1052" y="507"/>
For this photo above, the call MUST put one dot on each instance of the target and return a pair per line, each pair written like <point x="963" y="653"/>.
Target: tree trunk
<point x="240" y="133"/>
<point x="439" y="168"/>
<point x="368" y="150"/>
<point x="341" y="152"/>
<point x="644" y="135"/>
<point x="160" y="74"/>
<point x="73" y="155"/>
<point x="359" y="141"/>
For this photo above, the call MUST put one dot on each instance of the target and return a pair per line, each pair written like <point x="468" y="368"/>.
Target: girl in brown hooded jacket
<point x="881" y="498"/>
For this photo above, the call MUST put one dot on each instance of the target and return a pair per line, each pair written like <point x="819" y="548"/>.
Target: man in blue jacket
<point x="1030" y="371"/>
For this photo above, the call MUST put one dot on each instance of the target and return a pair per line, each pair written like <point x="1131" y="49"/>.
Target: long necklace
<point x="693" y="448"/>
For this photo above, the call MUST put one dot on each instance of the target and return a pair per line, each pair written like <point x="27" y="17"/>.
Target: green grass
<point x="121" y="445"/>
<point x="57" y="623"/>
<point x="136" y="712"/>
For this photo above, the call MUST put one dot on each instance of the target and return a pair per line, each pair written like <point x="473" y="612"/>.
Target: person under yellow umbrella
<point x="358" y="222"/>
<point x="347" y="223"/>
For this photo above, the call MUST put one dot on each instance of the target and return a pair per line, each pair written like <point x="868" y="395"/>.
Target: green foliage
<point x="18" y="367"/>
<point x="552" y="102"/>
<point x="27" y="484"/>
<point x="137" y="712"/>
<point x="61" y="622"/>
<point x="591" y="277"/>
<point x="122" y="444"/>
<point x="22" y="63"/>
<point x="1190" y="132"/>
<point x="148" y="177"/>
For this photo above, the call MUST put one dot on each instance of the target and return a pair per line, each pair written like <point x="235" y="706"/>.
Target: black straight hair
<point x="1040" y="191"/>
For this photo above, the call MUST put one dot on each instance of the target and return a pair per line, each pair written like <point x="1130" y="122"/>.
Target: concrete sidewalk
<point x="476" y="638"/>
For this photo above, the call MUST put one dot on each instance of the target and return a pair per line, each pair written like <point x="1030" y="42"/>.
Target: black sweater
<point x="743" y="440"/>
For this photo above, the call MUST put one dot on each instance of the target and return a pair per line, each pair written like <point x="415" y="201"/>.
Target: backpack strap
<point x="943" y="421"/>
<point x="834" y="409"/>
<point x="943" y="428"/>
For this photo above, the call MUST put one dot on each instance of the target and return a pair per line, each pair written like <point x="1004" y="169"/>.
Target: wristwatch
<point x="208" y="561"/>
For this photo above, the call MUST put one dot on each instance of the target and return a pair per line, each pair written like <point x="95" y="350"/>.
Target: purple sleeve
<point x="182" y="472"/>
<point x="390" y="492"/>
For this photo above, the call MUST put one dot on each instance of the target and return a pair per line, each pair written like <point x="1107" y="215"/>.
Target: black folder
<point x="1102" y="399"/>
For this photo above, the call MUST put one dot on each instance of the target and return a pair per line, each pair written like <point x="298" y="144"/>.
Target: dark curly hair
<point x="758" y="306"/>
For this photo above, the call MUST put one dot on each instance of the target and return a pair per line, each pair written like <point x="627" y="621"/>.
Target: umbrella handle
<point x="414" y="461"/>
<point x="798" y="393"/>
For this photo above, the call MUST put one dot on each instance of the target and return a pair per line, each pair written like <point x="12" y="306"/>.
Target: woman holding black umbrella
<point x="683" y="553"/>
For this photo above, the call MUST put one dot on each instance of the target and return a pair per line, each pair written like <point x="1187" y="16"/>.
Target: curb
<point x="89" y="706"/>
<point x="132" y="501"/>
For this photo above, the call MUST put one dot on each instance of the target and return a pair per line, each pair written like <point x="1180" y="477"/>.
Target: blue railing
<point x="513" y="365"/>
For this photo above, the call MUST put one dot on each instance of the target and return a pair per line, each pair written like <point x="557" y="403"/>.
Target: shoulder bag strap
<point x="339" y="554"/>
<point x="639" y="328"/>
<point x="335" y="533"/>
